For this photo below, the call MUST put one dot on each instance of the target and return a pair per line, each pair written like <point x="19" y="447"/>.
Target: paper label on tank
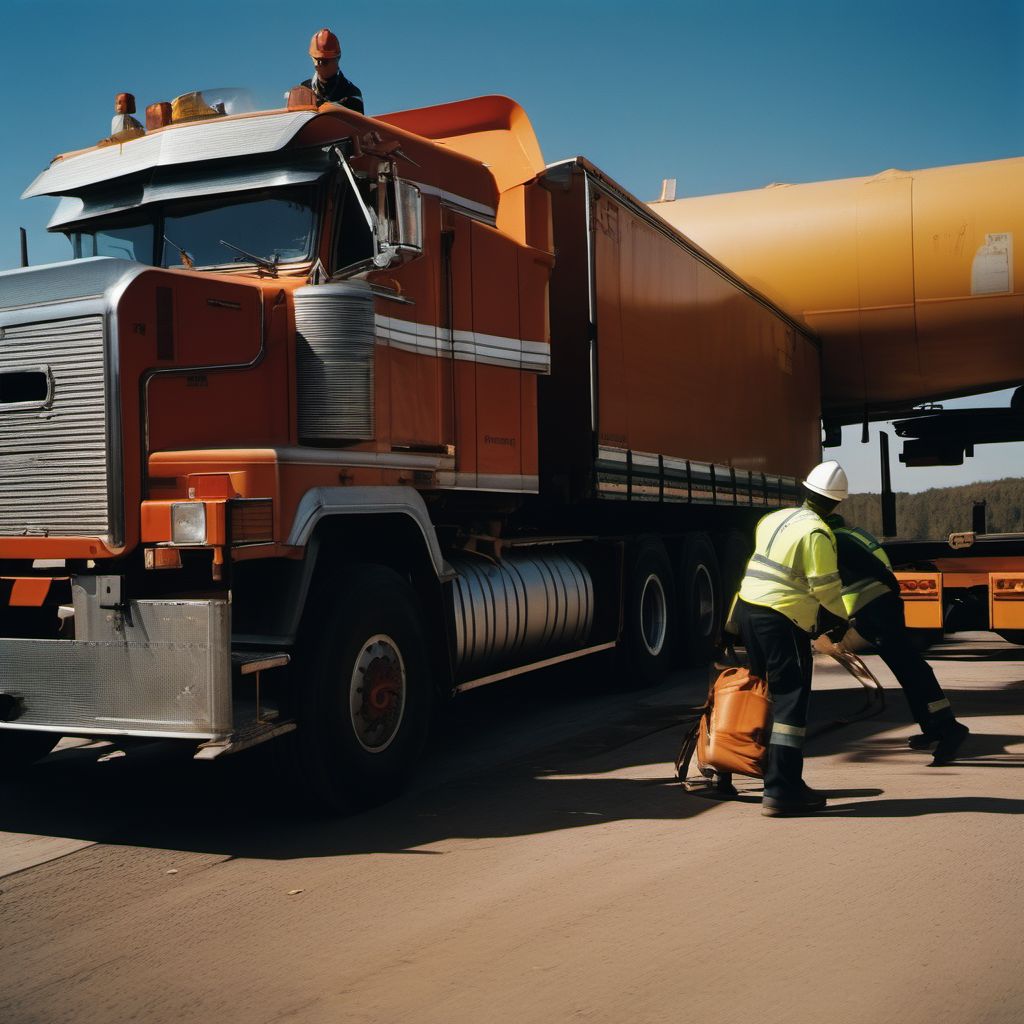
<point x="991" y="271"/>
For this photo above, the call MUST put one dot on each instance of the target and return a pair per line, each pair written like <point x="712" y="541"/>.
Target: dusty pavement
<point x="546" y="868"/>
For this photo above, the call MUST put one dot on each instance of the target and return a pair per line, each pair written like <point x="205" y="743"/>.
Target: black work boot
<point x="950" y="741"/>
<point x="804" y="801"/>
<point x="923" y="740"/>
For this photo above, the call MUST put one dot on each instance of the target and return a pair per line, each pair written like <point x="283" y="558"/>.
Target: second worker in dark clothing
<point x="328" y="84"/>
<point x="871" y="597"/>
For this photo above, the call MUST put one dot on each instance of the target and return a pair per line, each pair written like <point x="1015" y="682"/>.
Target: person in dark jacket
<point x="871" y="595"/>
<point x="328" y="84"/>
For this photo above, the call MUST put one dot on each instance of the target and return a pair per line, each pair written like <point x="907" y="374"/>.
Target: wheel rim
<point x="653" y="615"/>
<point x="704" y="600"/>
<point x="377" y="693"/>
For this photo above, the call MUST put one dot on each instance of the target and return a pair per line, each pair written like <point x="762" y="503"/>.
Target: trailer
<point x="910" y="281"/>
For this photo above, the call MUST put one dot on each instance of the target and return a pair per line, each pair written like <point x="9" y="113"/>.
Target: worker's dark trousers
<point x="881" y="621"/>
<point x="780" y="653"/>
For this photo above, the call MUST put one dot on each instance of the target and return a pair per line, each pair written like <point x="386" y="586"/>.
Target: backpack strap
<point x="689" y="744"/>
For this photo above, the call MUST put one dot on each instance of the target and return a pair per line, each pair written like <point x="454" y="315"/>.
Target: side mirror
<point x="399" y="223"/>
<point x="408" y="216"/>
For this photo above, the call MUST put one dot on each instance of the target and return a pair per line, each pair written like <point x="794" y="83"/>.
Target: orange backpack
<point x="731" y="731"/>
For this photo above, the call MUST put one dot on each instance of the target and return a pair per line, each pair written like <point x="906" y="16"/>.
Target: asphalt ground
<point x="545" y="866"/>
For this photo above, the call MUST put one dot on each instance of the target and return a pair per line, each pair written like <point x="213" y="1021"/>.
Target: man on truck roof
<point x="792" y="572"/>
<point x="328" y="84"/>
<point x="871" y="595"/>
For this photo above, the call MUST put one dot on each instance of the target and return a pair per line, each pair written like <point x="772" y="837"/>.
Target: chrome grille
<point x="53" y="455"/>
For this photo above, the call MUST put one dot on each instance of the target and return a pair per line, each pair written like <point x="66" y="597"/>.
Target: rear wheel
<point x="700" y="599"/>
<point x="367" y="694"/>
<point x="651" y="617"/>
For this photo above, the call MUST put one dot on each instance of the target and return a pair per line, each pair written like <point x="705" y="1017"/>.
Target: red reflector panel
<point x="922" y="599"/>
<point x="1006" y="600"/>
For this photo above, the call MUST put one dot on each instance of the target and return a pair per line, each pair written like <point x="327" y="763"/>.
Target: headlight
<point x="188" y="523"/>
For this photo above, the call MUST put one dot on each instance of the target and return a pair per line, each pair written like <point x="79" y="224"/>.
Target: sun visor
<point x="166" y="185"/>
<point x="183" y="144"/>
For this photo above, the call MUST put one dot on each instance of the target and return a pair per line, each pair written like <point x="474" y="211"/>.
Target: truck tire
<point x="699" y="586"/>
<point x="20" y="749"/>
<point x="366" y="692"/>
<point x="650" y="615"/>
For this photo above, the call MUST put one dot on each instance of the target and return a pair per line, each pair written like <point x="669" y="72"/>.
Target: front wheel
<point x="367" y="693"/>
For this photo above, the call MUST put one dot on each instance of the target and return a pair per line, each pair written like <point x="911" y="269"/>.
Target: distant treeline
<point x="934" y="514"/>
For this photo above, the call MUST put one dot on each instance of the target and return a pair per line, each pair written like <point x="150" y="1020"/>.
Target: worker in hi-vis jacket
<point x="871" y="597"/>
<point x="792" y="572"/>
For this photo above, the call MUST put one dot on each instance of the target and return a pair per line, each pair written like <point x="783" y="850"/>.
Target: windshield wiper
<point x="186" y="261"/>
<point x="270" y="266"/>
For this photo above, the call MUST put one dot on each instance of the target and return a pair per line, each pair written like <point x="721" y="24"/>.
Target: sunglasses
<point x="324" y="60"/>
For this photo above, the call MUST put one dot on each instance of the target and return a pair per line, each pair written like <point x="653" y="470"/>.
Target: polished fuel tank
<point x="522" y="609"/>
<point x="908" y="277"/>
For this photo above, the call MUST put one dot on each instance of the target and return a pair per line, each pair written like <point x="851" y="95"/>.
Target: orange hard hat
<point x="324" y="44"/>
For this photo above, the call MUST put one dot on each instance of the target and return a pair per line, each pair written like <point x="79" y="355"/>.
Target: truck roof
<point x="490" y="137"/>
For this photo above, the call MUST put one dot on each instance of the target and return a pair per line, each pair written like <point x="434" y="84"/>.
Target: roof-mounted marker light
<point x="301" y="98"/>
<point x="191" y="106"/>
<point x="158" y="115"/>
<point x="124" y="107"/>
<point x="123" y="127"/>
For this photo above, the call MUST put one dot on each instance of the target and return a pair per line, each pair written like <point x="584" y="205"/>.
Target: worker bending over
<point x="329" y="85"/>
<point x="871" y="596"/>
<point x="792" y="572"/>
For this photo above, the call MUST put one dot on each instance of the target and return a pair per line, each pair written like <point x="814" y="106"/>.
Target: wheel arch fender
<point x="389" y="526"/>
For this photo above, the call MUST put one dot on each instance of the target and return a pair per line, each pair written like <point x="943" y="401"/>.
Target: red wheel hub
<point x="383" y="685"/>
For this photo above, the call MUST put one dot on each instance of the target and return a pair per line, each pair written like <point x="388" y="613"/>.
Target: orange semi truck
<point x="331" y="415"/>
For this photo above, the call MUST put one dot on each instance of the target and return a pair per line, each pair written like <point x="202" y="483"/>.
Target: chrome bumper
<point x="151" y="668"/>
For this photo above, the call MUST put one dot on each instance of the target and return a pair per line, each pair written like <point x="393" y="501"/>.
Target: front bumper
<point x="150" y="668"/>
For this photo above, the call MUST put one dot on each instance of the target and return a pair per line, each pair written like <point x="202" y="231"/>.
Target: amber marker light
<point x="158" y="115"/>
<point x="162" y="558"/>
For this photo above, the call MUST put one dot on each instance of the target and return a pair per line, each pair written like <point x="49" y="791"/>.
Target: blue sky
<point x="719" y="95"/>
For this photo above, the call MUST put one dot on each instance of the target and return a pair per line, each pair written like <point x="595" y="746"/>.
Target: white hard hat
<point x="829" y="480"/>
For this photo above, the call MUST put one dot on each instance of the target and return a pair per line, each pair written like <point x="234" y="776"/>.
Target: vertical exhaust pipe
<point x="24" y="247"/>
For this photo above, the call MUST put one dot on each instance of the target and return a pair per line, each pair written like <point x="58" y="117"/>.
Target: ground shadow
<point x="245" y="806"/>
<point x="927" y="805"/>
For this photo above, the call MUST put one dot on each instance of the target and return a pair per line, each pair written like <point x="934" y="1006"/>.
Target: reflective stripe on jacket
<point x="864" y="578"/>
<point x="793" y="569"/>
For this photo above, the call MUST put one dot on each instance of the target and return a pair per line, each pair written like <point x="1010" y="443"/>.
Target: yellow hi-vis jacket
<point x="859" y="592"/>
<point x="793" y="568"/>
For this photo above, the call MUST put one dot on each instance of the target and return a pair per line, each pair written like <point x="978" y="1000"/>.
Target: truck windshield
<point x="276" y="227"/>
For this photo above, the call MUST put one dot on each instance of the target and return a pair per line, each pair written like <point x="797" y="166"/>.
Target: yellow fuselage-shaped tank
<point x="907" y="277"/>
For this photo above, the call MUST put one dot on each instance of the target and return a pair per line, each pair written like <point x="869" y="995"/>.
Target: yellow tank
<point x="908" y="277"/>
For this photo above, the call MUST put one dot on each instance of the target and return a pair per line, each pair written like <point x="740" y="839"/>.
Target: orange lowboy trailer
<point x="384" y="405"/>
